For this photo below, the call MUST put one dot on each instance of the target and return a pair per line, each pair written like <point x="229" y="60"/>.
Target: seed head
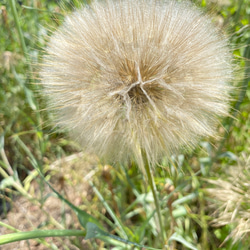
<point x="128" y="77"/>
<point x="231" y="198"/>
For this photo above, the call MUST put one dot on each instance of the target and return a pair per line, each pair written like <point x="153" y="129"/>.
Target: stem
<point x="110" y="211"/>
<point x="5" y="160"/>
<point x="8" y="238"/>
<point x="204" y="236"/>
<point x="3" y="173"/>
<point x="19" y="30"/>
<point x="156" y="200"/>
<point x="16" y="230"/>
<point x="15" y="184"/>
<point x="9" y="227"/>
<point x="28" y="94"/>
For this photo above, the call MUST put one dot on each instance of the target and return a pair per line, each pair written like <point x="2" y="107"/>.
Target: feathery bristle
<point x="231" y="197"/>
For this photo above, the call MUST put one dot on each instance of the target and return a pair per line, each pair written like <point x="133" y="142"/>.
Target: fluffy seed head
<point x="131" y="76"/>
<point x="231" y="197"/>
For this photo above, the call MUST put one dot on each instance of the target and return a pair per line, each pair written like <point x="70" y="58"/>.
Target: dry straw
<point x="137" y="78"/>
<point x="232" y="199"/>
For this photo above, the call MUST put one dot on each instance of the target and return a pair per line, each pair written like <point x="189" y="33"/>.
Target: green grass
<point x="117" y="197"/>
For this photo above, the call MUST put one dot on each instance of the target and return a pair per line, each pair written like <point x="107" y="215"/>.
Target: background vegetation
<point x="196" y="216"/>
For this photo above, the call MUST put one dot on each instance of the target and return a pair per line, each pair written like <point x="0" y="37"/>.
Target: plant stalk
<point x="156" y="200"/>
<point x="8" y="238"/>
<point x="19" y="30"/>
<point x="110" y="211"/>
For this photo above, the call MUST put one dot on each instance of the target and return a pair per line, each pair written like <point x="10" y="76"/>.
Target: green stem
<point x="9" y="227"/>
<point x="16" y="230"/>
<point x="204" y="223"/>
<point x="156" y="200"/>
<point x="6" y="162"/>
<point x="19" y="30"/>
<point x="8" y="238"/>
<point x="3" y="173"/>
<point x="27" y="91"/>
<point x="41" y="10"/>
<point x="15" y="184"/>
<point x="110" y="211"/>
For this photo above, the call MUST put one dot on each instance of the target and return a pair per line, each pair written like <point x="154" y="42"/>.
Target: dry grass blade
<point x="232" y="196"/>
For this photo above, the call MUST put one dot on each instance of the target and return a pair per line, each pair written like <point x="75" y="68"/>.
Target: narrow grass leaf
<point x="95" y="232"/>
<point x="228" y="155"/>
<point x="42" y="10"/>
<point x="110" y="211"/>
<point x="8" y="238"/>
<point x="30" y="98"/>
<point x="185" y="199"/>
<point x="179" y="212"/>
<point x="180" y="239"/>
<point x="83" y="216"/>
<point x="142" y="228"/>
<point x="7" y="182"/>
<point x="1" y="141"/>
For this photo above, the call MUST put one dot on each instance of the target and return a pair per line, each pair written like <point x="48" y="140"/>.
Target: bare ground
<point x="69" y="177"/>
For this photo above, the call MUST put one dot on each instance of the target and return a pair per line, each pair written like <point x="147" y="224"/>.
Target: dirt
<point x="69" y="176"/>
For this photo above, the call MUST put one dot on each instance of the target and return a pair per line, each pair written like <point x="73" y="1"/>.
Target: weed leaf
<point x="180" y="239"/>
